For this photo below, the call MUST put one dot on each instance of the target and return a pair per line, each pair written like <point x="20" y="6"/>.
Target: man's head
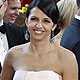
<point x="12" y="11"/>
<point x="78" y="3"/>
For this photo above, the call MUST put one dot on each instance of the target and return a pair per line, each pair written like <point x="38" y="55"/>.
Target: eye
<point x="34" y="18"/>
<point x="13" y="8"/>
<point x="47" y="21"/>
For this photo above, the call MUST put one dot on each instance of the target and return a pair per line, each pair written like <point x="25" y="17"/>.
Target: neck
<point x="59" y="35"/>
<point x="40" y="46"/>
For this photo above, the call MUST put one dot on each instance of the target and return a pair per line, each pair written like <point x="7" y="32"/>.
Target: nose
<point x="17" y="12"/>
<point x="39" y="25"/>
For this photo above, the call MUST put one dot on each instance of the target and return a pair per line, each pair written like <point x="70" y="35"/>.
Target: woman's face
<point x="39" y="24"/>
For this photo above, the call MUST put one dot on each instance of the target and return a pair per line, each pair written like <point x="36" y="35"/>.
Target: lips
<point x="38" y="31"/>
<point x="13" y="17"/>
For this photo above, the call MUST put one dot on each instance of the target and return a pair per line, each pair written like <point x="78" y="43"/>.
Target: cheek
<point x="48" y="27"/>
<point x="9" y="12"/>
<point x="31" y="24"/>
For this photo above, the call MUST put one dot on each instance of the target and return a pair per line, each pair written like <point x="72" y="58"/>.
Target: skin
<point x="35" y="56"/>
<point x="12" y="11"/>
<point x="3" y="7"/>
<point x="78" y="12"/>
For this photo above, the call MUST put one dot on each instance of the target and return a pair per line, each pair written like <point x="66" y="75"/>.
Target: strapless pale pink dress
<point x="40" y="75"/>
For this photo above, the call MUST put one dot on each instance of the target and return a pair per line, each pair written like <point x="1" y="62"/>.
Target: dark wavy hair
<point x="49" y="7"/>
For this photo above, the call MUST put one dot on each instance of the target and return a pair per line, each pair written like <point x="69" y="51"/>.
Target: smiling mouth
<point x="38" y="31"/>
<point x="13" y="17"/>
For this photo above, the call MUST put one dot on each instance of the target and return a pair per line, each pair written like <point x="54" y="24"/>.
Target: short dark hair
<point x="49" y="7"/>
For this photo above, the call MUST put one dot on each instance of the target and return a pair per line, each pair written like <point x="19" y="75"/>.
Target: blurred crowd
<point x="16" y="25"/>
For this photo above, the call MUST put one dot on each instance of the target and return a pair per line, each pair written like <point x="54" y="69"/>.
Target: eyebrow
<point x="44" y="18"/>
<point x="47" y="18"/>
<point x="34" y="17"/>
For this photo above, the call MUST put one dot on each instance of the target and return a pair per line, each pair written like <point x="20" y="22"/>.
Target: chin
<point x="37" y="38"/>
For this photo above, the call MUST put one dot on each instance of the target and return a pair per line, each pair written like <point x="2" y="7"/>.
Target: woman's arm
<point x="70" y="67"/>
<point x="7" y="70"/>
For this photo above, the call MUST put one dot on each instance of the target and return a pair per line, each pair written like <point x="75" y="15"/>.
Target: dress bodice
<point x="40" y="75"/>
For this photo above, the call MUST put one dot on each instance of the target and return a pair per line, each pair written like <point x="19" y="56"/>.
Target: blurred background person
<point x="12" y="11"/>
<point x="67" y="10"/>
<point x="20" y="20"/>
<point x="3" y="7"/>
<point x="10" y="35"/>
<point x="71" y="36"/>
<point x="40" y="59"/>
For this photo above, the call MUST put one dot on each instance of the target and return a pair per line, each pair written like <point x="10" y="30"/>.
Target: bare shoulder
<point x="66" y="54"/>
<point x="68" y="58"/>
<point x="68" y="62"/>
<point x="16" y="51"/>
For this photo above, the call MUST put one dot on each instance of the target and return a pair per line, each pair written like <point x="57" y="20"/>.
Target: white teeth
<point x="38" y="32"/>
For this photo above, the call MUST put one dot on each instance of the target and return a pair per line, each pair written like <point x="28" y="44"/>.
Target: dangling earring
<point x="27" y="35"/>
<point x="52" y="37"/>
